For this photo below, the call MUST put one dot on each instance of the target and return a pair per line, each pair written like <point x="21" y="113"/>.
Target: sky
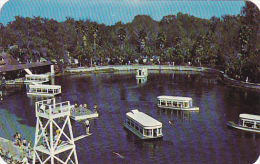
<point x="111" y="11"/>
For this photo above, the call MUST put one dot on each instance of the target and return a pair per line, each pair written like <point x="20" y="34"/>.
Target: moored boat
<point x="143" y="125"/>
<point x="247" y="122"/>
<point x="176" y="102"/>
<point x="48" y="90"/>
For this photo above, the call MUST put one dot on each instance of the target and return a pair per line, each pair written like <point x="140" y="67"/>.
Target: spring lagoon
<point x="189" y="136"/>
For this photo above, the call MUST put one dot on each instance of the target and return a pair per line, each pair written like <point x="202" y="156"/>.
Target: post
<point x="52" y="70"/>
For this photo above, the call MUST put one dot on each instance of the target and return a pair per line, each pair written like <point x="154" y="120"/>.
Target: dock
<point x="83" y="113"/>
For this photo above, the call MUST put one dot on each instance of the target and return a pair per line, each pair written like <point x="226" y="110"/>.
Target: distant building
<point x="12" y="69"/>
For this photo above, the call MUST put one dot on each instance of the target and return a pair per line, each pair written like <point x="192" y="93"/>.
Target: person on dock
<point x="95" y="108"/>
<point x="85" y="108"/>
<point x="18" y="139"/>
<point x="87" y="126"/>
<point x="80" y="108"/>
<point x="24" y="144"/>
<point x="29" y="148"/>
<point x="25" y="160"/>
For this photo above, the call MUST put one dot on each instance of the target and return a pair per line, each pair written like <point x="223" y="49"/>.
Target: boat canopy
<point x="45" y="86"/>
<point x="174" y="98"/>
<point x="249" y="117"/>
<point x="143" y="118"/>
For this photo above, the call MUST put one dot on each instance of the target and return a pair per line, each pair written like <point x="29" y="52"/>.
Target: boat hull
<point x="43" y="94"/>
<point x="234" y="125"/>
<point x="139" y="135"/>
<point x="175" y="108"/>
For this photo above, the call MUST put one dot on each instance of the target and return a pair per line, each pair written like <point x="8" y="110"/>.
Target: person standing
<point x="87" y="126"/>
<point x="24" y="143"/>
<point x="95" y="108"/>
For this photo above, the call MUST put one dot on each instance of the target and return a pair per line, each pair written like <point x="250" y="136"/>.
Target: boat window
<point x="163" y="102"/>
<point x="132" y="123"/>
<point x="249" y="124"/>
<point x="44" y="90"/>
<point x="128" y="121"/>
<point x="186" y="104"/>
<point x="159" y="130"/>
<point x="175" y="104"/>
<point x="141" y="130"/>
<point x="158" y="102"/>
<point x="258" y="125"/>
<point x="169" y="103"/>
<point x="136" y="126"/>
<point x="148" y="132"/>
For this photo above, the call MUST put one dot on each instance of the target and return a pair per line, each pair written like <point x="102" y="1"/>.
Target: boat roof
<point x="249" y="116"/>
<point x="143" y="118"/>
<point x="44" y="86"/>
<point x="37" y="75"/>
<point x="174" y="98"/>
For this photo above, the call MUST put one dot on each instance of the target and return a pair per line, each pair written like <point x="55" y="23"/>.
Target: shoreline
<point x="111" y="68"/>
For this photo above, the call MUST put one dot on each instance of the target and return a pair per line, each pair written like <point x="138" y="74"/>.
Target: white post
<point x="52" y="70"/>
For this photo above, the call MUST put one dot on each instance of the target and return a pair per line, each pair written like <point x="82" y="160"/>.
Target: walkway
<point x="225" y="78"/>
<point x="15" y="151"/>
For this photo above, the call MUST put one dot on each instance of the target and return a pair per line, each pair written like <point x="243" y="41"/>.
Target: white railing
<point x="49" y="107"/>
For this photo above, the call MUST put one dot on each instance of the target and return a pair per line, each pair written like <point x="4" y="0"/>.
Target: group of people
<point x="83" y="108"/>
<point x="23" y="144"/>
<point x="7" y="157"/>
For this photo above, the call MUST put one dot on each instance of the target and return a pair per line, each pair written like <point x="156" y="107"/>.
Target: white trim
<point x="250" y="117"/>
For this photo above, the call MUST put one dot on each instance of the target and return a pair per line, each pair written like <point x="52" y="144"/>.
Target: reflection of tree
<point x="122" y="93"/>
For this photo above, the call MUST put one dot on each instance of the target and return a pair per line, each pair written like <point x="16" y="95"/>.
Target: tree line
<point x="230" y="43"/>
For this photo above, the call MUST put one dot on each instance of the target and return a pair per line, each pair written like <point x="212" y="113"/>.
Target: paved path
<point x="135" y="67"/>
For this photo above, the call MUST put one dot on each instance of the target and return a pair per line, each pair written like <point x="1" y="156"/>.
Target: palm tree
<point x="94" y="32"/>
<point x="142" y="39"/>
<point x="161" y="40"/>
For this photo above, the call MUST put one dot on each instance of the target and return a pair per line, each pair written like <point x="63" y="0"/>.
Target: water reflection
<point x="35" y="98"/>
<point x="141" y="80"/>
<point x="177" y="114"/>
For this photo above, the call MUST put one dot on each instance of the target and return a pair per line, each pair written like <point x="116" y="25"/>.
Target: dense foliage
<point x="231" y="43"/>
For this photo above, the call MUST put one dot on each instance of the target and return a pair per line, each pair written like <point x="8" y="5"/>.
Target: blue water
<point x="192" y="137"/>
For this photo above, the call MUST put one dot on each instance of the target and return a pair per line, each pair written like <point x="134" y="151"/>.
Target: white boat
<point x="248" y="122"/>
<point x="36" y="78"/>
<point x="48" y="90"/>
<point x="141" y="72"/>
<point x="176" y="102"/>
<point x="143" y="125"/>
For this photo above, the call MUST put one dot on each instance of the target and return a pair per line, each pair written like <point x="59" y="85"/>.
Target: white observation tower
<point x="54" y="142"/>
